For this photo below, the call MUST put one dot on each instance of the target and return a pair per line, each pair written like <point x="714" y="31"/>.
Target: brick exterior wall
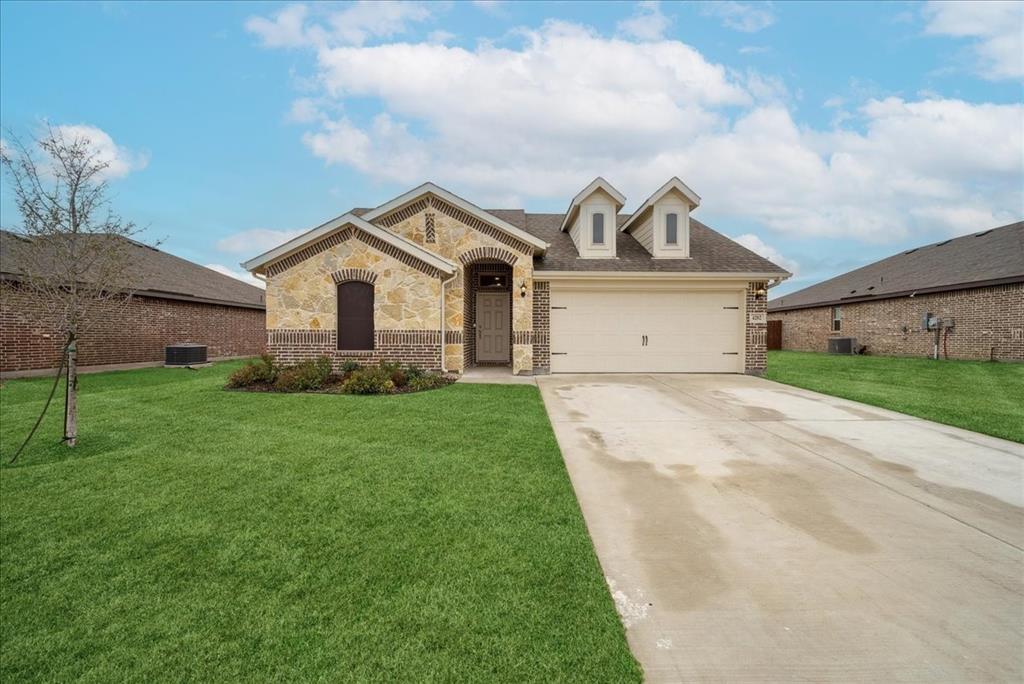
<point x="132" y="333"/>
<point x="419" y="347"/>
<point x="989" y="324"/>
<point x="756" y="333"/>
<point x="541" y="327"/>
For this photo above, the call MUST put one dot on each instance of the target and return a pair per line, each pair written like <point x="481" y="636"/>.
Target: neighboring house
<point x="973" y="285"/>
<point x="584" y="291"/>
<point x="175" y="301"/>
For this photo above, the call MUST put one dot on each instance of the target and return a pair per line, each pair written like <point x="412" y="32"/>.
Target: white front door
<point x="492" y="327"/>
<point x="616" y="331"/>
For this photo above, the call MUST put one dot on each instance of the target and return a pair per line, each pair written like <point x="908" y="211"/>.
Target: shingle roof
<point x="989" y="257"/>
<point x="157" y="274"/>
<point x="710" y="251"/>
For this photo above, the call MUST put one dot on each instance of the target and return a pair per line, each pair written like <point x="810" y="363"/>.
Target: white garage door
<point x="646" y="332"/>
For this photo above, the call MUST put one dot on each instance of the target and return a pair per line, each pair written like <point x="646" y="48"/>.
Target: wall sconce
<point x="760" y="292"/>
<point x="522" y="289"/>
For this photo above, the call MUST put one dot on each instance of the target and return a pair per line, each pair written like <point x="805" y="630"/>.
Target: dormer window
<point x="672" y="229"/>
<point x="597" y="229"/>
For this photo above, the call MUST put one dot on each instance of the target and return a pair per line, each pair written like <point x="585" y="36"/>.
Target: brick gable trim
<point x="341" y="236"/>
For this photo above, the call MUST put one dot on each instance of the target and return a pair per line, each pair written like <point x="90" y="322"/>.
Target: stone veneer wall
<point x="464" y="240"/>
<point x="989" y="324"/>
<point x="541" y="327"/>
<point x="756" y="333"/>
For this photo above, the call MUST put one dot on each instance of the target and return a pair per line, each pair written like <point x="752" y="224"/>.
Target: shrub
<point x="413" y="371"/>
<point x="349" y="366"/>
<point x="304" y="376"/>
<point x="428" y="381"/>
<point x="369" y="381"/>
<point x="399" y="378"/>
<point x="261" y="372"/>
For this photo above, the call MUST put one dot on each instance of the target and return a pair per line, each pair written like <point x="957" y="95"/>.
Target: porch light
<point x="760" y="292"/>
<point x="522" y="289"/>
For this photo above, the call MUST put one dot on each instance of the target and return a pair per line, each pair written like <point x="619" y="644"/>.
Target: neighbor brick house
<point x="431" y="279"/>
<point x="174" y="301"/>
<point x="972" y="287"/>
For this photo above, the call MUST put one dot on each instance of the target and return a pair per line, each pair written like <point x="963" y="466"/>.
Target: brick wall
<point x="541" y="327"/>
<point x="132" y="333"/>
<point x="989" y="324"/>
<point x="757" y="333"/>
<point x="419" y="347"/>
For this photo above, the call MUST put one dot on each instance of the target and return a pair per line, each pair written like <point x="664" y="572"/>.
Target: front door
<point x="492" y="327"/>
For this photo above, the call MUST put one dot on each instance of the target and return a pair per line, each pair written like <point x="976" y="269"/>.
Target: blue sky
<point x="823" y="135"/>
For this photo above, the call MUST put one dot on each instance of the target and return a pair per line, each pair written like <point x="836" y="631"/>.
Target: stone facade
<point x="136" y="332"/>
<point x="302" y="292"/>
<point x="988" y="324"/>
<point x="756" y="358"/>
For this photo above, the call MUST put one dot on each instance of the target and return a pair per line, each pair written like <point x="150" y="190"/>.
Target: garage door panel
<point x="686" y="331"/>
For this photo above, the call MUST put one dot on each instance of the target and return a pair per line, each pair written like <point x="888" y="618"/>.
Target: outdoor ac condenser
<point x="842" y="345"/>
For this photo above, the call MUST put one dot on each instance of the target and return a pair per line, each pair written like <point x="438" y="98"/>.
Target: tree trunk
<point x="71" y="398"/>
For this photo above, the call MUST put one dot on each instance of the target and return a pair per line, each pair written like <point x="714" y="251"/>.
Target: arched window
<point x="355" y="315"/>
<point x="598" y="229"/>
<point x="671" y="229"/>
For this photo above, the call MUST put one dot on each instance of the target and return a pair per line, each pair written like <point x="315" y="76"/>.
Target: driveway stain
<point x="688" y="574"/>
<point x="797" y="502"/>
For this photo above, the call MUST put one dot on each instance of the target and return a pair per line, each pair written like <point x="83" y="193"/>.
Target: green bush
<point x="304" y="376"/>
<point x="428" y="381"/>
<point x="413" y="371"/>
<point x="261" y="372"/>
<point x="349" y="366"/>
<point x="369" y="381"/>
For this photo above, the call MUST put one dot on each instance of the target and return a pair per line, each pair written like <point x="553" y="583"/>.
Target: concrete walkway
<point x="495" y="375"/>
<point x="751" y="531"/>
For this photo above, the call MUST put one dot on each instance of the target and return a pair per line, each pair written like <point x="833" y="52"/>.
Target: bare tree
<point x="73" y="252"/>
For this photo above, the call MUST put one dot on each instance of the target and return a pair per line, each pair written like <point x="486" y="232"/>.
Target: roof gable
<point x="597" y="185"/>
<point x="987" y="257"/>
<point x="262" y="262"/>
<point x="674" y="185"/>
<point x="416" y="193"/>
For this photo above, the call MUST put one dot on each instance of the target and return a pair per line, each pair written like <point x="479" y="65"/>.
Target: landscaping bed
<point x="317" y="375"/>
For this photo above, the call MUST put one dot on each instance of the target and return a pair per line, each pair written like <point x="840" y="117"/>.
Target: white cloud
<point x="296" y="26"/>
<point x="120" y="160"/>
<point x="539" y="120"/>
<point x="758" y="246"/>
<point x="647" y="22"/>
<point x="748" y="18"/>
<point x="237" y="274"/>
<point x="755" y="50"/>
<point x="440" y="36"/>
<point x="254" y="241"/>
<point x="998" y="28"/>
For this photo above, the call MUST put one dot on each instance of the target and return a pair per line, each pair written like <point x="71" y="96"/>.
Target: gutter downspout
<point x="444" y="363"/>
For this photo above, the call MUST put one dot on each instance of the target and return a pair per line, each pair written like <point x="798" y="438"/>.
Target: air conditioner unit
<point x="842" y="345"/>
<point x="186" y="354"/>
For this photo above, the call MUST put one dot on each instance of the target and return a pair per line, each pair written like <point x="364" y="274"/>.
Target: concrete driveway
<point x="751" y="531"/>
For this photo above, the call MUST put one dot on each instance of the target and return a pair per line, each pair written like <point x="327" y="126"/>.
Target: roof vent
<point x="983" y="233"/>
<point x="853" y="291"/>
<point x="871" y="287"/>
<point x="945" y="242"/>
<point x="911" y="251"/>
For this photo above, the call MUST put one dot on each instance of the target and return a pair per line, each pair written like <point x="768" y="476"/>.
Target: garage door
<point x="646" y="332"/>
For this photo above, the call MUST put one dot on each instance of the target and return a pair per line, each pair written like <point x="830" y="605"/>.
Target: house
<point x="431" y="279"/>
<point x="967" y="293"/>
<point x="174" y="301"/>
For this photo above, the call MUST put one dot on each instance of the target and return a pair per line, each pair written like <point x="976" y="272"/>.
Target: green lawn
<point x="975" y="395"/>
<point x="198" y="534"/>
